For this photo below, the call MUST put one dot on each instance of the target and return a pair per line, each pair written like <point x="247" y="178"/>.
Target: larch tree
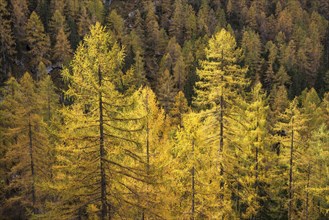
<point x="10" y="93"/>
<point x="48" y="102"/>
<point x="7" y="42"/>
<point x="203" y="18"/>
<point x="180" y="73"/>
<point x="154" y="144"/>
<point x="116" y="24"/>
<point x="62" y="52"/>
<point x="325" y="108"/>
<point x="194" y="178"/>
<point x="27" y="142"/>
<point x="42" y="8"/>
<point x="310" y="106"/>
<point x="311" y="154"/>
<point x="98" y="130"/>
<point x="152" y="27"/>
<point x="20" y="17"/>
<point x="84" y="21"/>
<point x="38" y="41"/>
<point x="96" y="10"/>
<point x="272" y="51"/>
<point x="251" y="137"/>
<point x="173" y="60"/>
<point x="184" y="153"/>
<point x="56" y="23"/>
<point x="155" y="39"/>
<point x="73" y="8"/>
<point x="179" y="109"/>
<point x="316" y="180"/>
<point x="57" y="5"/>
<point x="166" y="12"/>
<point x="166" y="90"/>
<point x="190" y="23"/>
<point x="293" y="125"/>
<point x="251" y="46"/>
<point x="177" y="23"/>
<point x="137" y="49"/>
<point x="220" y="87"/>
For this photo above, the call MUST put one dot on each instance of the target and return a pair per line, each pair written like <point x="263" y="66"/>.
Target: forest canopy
<point x="171" y="109"/>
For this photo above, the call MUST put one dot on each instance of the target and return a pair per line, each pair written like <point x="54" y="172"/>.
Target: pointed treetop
<point x="223" y="46"/>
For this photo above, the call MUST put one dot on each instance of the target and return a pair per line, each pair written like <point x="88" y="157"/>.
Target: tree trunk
<point x="221" y="141"/>
<point x="32" y="166"/>
<point x="221" y="135"/>
<point x="290" y="172"/>
<point x="307" y="187"/>
<point x="221" y="132"/>
<point x="147" y="137"/>
<point x="48" y="107"/>
<point x="256" y="160"/>
<point x="147" y="148"/>
<point x="193" y="186"/>
<point x="101" y="149"/>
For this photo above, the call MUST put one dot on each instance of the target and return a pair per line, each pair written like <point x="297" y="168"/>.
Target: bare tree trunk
<point x="256" y="161"/>
<point x="193" y="186"/>
<point x="307" y="187"/>
<point x="102" y="150"/>
<point x="291" y="172"/>
<point x="221" y="141"/>
<point x="221" y="134"/>
<point x="147" y="137"/>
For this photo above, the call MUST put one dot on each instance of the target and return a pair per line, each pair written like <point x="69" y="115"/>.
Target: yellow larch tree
<point x="292" y="125"/>
<point x="96" y="156"/>
<point x="220" y="89"/>
<point x="27" y="146"/>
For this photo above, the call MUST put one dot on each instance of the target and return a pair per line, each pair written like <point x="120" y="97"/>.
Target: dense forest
<point x="164" y="109"/>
